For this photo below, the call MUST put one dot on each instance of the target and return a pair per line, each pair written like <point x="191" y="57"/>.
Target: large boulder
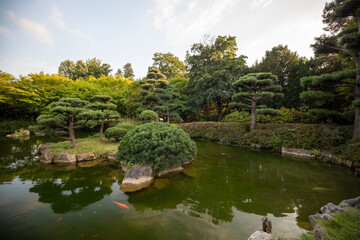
<point x="47" y="156"/>
<point x="24" y="134"/>
<point x="85" y="156"/>
<point x="260" y="235"/>
<point x="353" y="202"/>
<point x="136" y="178"/>
<point x="66" y="158"/>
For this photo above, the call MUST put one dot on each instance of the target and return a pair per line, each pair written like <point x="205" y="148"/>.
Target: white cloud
<point x="181" y="20"/>
<point x="261" y="3"/>
<point x="57" y="19"/>
<point x="35" y="30"/>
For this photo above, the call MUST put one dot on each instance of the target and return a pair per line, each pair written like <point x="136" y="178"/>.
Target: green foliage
<point x="323" y="115"/>
<point x="128" y="71"/>
<point x="345" y="226"/>
<point x="10" y="126"/>
<point x="288" y="66"/>
<point x="118" y="132"/>
<point x="157" y="144"/>
<point x="238" y="116"/>
<point x="148" y="115"/>
<point x="93" y="67"/>
<point x="169" y="65"/>
<point x="213" y="67"/>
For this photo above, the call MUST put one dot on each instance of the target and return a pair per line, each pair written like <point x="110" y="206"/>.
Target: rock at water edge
<point x="66" y="158"/>
<point x="136" y="178"/>
<point x="259" y="235"/>
<point x="85" y="156"/>
<point x="47" y="156"/>
<point x="170" y="171"/>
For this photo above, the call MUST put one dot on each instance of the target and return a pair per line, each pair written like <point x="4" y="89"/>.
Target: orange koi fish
<point x="95" y="235"/>
<point x="121" y="205"/>
<point x="59" y="219"/>
<point x="80" y="215"/>
<point x="62" y="232"/>
<point x="81" y="235"/>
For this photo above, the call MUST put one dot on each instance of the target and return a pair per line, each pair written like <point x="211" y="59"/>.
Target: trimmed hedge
<point x="156" y="144"/>
<point x="275" y="136"/>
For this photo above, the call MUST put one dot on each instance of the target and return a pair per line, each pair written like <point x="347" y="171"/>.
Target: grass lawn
<point x="94" y="145"/>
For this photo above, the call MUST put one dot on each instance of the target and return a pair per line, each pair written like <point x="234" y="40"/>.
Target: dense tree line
<point x="215" y="80"/>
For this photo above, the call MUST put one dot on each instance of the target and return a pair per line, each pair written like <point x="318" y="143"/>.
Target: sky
<point x="37" y="35"/>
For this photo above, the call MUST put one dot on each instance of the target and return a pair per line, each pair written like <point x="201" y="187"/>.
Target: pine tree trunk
<point x="220" y="108"/>
<point x="157" y="117"/>
<point x="72" y="134"/>
<point x="253" y="114"/>
<point x="102" y="128"/>
<point x="356" y="132"/>
<point x="168" y="116"/>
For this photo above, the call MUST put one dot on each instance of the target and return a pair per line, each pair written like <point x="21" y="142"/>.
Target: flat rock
<point x="136" y="178"/>
<point x="24" y="134"/>
<point x="170" y="171"/>
<point x="85" y="156"/>
<point x="66" y="158"/>
<point x="39" y="134"/>
<point x="260" y="235"/>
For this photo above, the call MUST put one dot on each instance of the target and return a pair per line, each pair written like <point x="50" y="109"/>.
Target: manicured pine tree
<point x="102" y="103"/>
<point x="64" y="117"/>
<point x="343" y="25"/>
<point x="253" y="88"/>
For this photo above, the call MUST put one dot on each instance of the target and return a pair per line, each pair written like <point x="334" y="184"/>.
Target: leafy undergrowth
<point x="94" y="145"/>
<point x="345" y="226"/>
<point x="320" y="137"/>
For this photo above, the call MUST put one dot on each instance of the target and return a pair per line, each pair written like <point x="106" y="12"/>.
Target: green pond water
<point x="221" y="195"/>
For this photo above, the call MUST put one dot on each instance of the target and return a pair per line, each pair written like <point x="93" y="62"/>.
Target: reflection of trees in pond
<point x="255" y="182"/>
<point x="70" y="190"/>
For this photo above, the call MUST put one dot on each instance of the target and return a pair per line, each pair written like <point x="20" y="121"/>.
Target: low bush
<point x="10" y="126"/>
<point x="148" y="116"/>
<point x="237" y="116"/>
<point x="156" y="144"/>
<point x="118" y="132"/>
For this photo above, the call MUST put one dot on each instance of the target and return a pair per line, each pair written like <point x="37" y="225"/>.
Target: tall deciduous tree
<point x="169" y="65"/>
<point x="66" y="69"/>
<point x="128" y="71"/>
<point x="64" y="117"/>
<point x="288" y="66"/>
<point x="213" y="67"/>
<point x="254" y="88"/>
<point x="103" y="104"/>
<point x="343" y="26"/>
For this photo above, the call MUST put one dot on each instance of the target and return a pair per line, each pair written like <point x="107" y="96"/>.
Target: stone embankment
<point x="23" y="134"/>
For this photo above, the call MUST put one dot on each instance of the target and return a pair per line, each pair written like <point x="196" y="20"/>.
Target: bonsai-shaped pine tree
<point x="102" y="103"/>
<point x="169" y="100"/>
<point x="253" y="88"/>
<point x="342" y="18"/>
<point x="151" y="89"/>
<point x="64" y="117"/>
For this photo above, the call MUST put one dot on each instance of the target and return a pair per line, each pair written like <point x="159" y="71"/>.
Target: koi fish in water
<point x="59" y="219"/>
<point x="121" y="205"/>
<point x="95" y="235"/>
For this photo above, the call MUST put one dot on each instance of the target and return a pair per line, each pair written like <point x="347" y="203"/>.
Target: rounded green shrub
<point x="148" y="115"/>
<point x="118" y="132"/>
<point x="156" y="144"/>
<point x="238" y="117"/>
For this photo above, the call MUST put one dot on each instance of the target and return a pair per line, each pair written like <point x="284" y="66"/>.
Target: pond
<point x="221" y="195"/>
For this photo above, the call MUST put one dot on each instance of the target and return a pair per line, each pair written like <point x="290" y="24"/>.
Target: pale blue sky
<point x="36" y="35"/>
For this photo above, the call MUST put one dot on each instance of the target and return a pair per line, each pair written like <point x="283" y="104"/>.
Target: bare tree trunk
<point x="157" y="118"/>
<point x="356" y="132"/>
<point x="220" y="108"/>
<point x="253" y="114"/>
<point x="102" y="128"/>
<point x="168" y="116"/>
<point x="72" y="134"/>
